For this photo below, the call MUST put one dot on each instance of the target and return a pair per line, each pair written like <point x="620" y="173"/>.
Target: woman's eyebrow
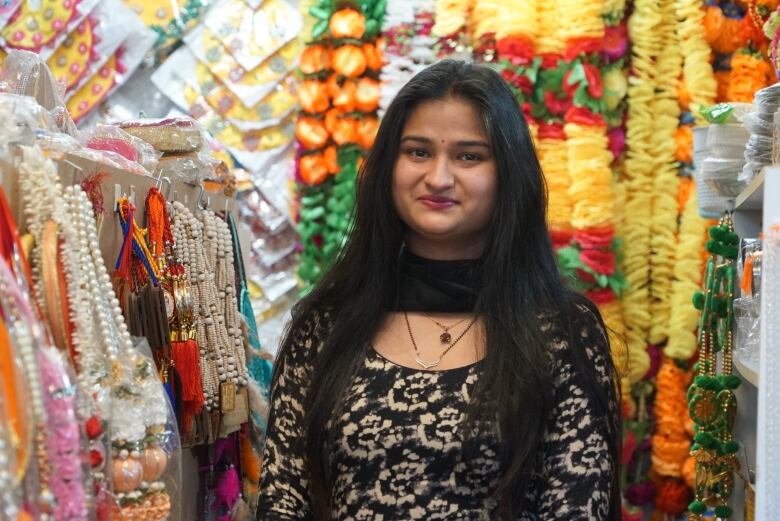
<point x="427" y="141"/>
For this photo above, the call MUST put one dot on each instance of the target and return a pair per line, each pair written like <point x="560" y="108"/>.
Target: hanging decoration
<point x="339" y="98"/>
<point x="712" y="402"/>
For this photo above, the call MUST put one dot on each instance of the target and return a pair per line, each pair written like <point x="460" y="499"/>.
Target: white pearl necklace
<point x="188" y="234"/>
<point x="219" y="246"/>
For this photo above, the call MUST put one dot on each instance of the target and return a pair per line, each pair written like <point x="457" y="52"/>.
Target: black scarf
<point x="435" y="286"/>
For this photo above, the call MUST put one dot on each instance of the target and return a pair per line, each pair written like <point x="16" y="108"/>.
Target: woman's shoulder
<point x="309" y="325"/>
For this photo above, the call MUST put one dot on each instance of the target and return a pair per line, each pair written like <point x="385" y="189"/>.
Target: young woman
<point x="441" y="370"/>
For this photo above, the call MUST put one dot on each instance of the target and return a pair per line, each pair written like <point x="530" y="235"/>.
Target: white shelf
<point x="747" y="371"/>
<point x="752" y="197"/>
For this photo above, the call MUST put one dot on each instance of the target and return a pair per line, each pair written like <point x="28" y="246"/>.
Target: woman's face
<point x="444" y="181"/>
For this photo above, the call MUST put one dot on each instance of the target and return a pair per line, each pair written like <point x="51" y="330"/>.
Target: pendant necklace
<point x="445" y="337"/>
<point x="429" y="365"/>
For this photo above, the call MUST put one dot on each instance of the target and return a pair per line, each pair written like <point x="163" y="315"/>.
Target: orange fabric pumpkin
<point x="311" y="132"/>
<point x="315" y="58"/>
<point x="334" y="87"/>
<point x="331" y="160"/>
<point x="349" y="61"/>
<point x="345" y="100"/>
<point x="344" y="132"/>
<point x="374" y="55"/>
<point x="367" y="95"/>
<point x="331" y="118"/>
<point x="312" y="168"/>
<point x="347" y="23"/>
<point x="366" y="131"/>
<point x="313" y="96"/>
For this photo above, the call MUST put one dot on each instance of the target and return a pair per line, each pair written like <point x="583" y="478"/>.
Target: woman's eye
<point x="417" y="153"/>
<point x="470" y="157"/>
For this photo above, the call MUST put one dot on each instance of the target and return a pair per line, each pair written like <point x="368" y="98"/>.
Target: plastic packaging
<point x="171" y="135"/>
<point x="767" y="100"/>
<point x="111" y="138"/>
<point x="252" y="36"/>
<point x="730" y="136"/>
<point x="722" y="175"/>
<point x="722" y="113"/>
<point x="190" y="167"/>
<point x="249" y="85"/>
<point x="53" y="142"/>
<point x="747" y="319"/>
<point x="27" y="75"/>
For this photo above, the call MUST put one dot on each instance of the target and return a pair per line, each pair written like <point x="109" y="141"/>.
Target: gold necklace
<point x="445" y="337"/>
<point x="428" y="365"/>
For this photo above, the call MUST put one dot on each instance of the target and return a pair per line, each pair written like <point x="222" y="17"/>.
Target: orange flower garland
<point x="749" y="73"/>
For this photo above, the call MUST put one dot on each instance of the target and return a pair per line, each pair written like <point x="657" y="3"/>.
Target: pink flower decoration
<point x="615" y="41"/>
<point x="617" y="141"/>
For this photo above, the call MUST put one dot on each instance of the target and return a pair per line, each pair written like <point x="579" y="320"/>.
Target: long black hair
<point x="516" y="381"/>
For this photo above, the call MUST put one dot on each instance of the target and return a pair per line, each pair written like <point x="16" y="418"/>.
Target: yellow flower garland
<point x="663" y="225"/>
<point x="697" y="69"/>
<point x="553" y="158"/>
<point x="549" y="39"/>
<point x="579" y="19"/>
<point x="485" y="18"/>
<point x="591" y="176"/>
<point x="687" y="280"/>
<point x="518" y="17"/>
<point x="639" y="170"/>
<point x="451" y="16"/>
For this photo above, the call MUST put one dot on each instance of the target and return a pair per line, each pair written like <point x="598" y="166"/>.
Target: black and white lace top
<point x="398" y="453"/>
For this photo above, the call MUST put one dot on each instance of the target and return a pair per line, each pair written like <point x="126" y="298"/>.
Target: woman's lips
<point x="437" y="202"/>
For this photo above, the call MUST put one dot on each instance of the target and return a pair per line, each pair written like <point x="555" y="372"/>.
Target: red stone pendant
<point x="445" y="338"/>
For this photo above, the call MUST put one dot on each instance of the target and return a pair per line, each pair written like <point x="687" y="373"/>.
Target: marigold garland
<point x="749" y="73"/>
<point x="580" y="19"/>
<point x="638" y="171"/>
<point x="697" y="70"/>
<point x="687" y="280"/>
<point x="591" y="177"/>
<point x="553" y="159"/>
<point x="663" y="225"/>
<point x="451" y="16"/>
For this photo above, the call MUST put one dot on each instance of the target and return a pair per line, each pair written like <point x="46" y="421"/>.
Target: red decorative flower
<point x="580" y="46"/>
<point x="517" y="49"/>
<point x="629" y="446"/>
<point x="508" y="74"/>
<point x="601" y="296"/>
<point x="526" y="108"/>
<point x="595" y="238"/>
<point x="523" y="83"/>
<point x="600" y="261"/>
<point x="95" y="458"/>
<point x="583" y="116"/>
<point x="560" y="238"/>
<point x="593" y="77"/>
<point x="550" y="60"/>
<point x="94" y="428"/>
<point x="569" y="88"/>
<point x="555" y="105"/>
<point x="585" y="276"/>
<point x="552" y="131"/>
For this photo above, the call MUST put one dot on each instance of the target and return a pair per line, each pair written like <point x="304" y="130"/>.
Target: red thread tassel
<point x="186" y="359"/>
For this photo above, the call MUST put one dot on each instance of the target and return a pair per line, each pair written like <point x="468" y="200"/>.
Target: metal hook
<point x="199" y="203"/>
<point x="76" y="168"/>
<point x="167" y="181"/>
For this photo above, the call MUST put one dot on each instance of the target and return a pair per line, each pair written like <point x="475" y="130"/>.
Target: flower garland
<point x="451" y="27"/>
<point x="339" y="97"/>
<point x="409" y="45"/>
<point x="697" y="70"/>
<point x="663" y="225"/>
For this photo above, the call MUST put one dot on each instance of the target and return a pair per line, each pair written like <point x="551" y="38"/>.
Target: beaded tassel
<point x="711" y="399"/>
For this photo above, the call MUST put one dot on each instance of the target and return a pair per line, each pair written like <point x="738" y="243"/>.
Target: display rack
<point x="755" y="210"/>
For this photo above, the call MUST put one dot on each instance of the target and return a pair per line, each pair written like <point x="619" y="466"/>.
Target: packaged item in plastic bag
<point x="111" y="138"/>
<point x="722" y="113"/>
<point x="41" y="27"/>
<point x="252" y="36"/>
<point x="170" y="19"/>
<point x="767" y="100"/>
<point x="27" y="75"/>
<point x="171" y="135"/>
<point x="727" y="135"/>
<point x="189" y="167"/>
<point x="760" y="123"/>
<point x="722" y="175"/>
<point x="146" y="463"/>
<point x="747" y="319"/>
